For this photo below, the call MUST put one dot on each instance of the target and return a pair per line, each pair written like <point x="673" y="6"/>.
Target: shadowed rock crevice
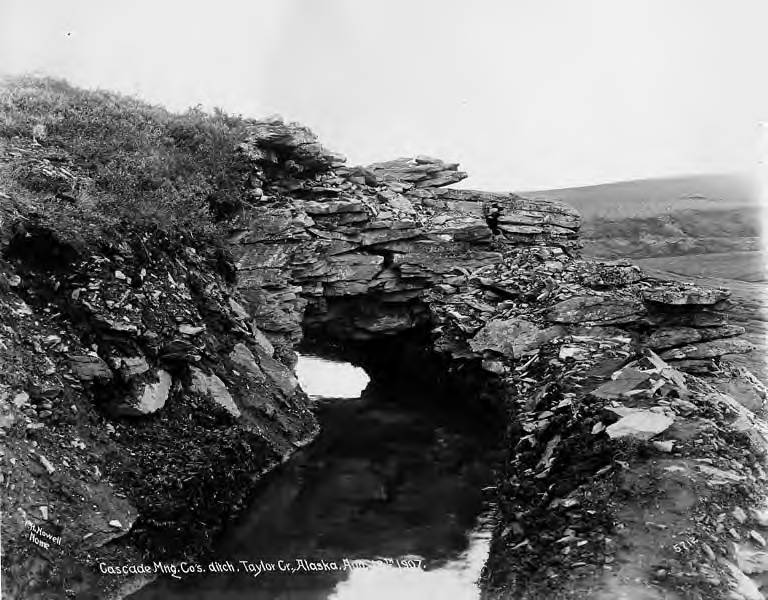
<point x="402" y="364"/>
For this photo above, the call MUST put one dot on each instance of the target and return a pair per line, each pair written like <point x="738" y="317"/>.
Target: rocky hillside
<point x="618" y="454"/>
<point x="705" y="228"/>
<point x="147" y="353"/>
<point x="139" y="401"/>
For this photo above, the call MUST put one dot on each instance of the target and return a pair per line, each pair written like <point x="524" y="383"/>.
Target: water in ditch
<point x="391" y="501"/>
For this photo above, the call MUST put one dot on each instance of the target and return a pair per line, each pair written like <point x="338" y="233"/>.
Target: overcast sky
<point x="524" y="93"/>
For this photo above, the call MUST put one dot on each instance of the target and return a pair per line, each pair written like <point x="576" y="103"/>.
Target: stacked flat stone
<point x="361" y="247"/>
<point x="418" y="172"/>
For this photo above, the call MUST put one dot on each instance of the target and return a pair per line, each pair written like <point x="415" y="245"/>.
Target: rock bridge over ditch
<point x="365" y="253"/>
<point x="620" y="441"/>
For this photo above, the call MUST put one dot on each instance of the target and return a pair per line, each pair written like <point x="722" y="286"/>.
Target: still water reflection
<point x="388" y="480"/>
<point x="323" y="378"/>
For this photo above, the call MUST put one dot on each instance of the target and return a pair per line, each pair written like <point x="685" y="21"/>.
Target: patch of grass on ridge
<point x="146" y="166"/>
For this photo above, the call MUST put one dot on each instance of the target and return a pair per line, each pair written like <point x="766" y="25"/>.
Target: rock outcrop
<point x="617" y="454"/>
<point x="144" y="385"/>
<point x="371" y="251"/>
<point x="138" y="399"/>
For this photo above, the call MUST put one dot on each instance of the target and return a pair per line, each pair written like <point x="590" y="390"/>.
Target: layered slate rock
<point x="362" y="253"/>
<point x="670" y="337"/>
<point x="418" y="172"/>
<point x="267" y="142"/>
<point x="519" y="219"/>
<point x="358" y="249"/>
<point x="640" y="425"/>
<point x="90" y="368"/>
<point x="605" y="310"/>
<point x="148" y="397"/>
<point x="210" y="385"/>
<point x="613" y="453"/>
<point x="683" y="296"/>
<point x="512" y="337"/>
<point x="101" y="341"/>
<point x="713" y="349"/>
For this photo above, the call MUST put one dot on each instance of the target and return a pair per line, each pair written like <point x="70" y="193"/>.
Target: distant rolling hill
<point x="649" y="197"/>
<point x="703" y="228"/>
<point x="672" y="216"/>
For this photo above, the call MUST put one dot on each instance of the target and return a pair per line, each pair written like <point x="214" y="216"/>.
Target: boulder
<point x="742" y="386"/>
<point x="669" y="337"/>
<point x="629" y="382"/>
<point x="238" y="310"/>
<point x="712" y="349"/>
<point x="262" y="341"/>
<point x="150" y="396"/>
<point x="640" y="425"/>
<point x="513" y="209"/>
<point x="513" y="337"/>
<point x="130" y="366"/>
<point x="421" y="171"/>
<point x="600" y="275"/>
<point x="396" y="201"/>
<point x="90" y="368"/>
<point x="279" y="374"/>
<point x="677" y="296"/>
<point x="743" y="587"/>
<point x="242" y="356"/>
<point x="333" y="207"/>
<point x="272" y="141"/>
<point x="214" y="388"/>
<point x="598" y="309"/>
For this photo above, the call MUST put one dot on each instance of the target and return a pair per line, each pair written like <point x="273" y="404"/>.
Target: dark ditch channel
<point x="394" y="499"/>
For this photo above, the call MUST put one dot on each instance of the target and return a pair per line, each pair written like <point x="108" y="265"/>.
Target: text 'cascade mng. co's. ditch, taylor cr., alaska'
<point x="256" y="568"/>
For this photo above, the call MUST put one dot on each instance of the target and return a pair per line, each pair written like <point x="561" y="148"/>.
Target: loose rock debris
<point x="597" y="418"/>
<point x="143" y="350"/>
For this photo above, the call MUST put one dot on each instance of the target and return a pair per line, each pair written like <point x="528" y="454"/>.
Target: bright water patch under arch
<point x="323" y="378"/>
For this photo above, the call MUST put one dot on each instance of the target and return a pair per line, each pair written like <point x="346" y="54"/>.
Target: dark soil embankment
<point x="139" y="402"/>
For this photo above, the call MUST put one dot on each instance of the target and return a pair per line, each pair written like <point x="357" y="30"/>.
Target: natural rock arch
<point x="181" y="384"/>
<point x="588" y="362"/>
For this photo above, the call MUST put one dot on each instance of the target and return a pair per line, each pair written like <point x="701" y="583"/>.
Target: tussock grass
<point x="135" y="164"/>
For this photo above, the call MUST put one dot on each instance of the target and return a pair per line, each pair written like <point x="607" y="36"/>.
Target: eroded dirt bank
<point x="117" y="422"/>
<point x="146" y="371"/>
